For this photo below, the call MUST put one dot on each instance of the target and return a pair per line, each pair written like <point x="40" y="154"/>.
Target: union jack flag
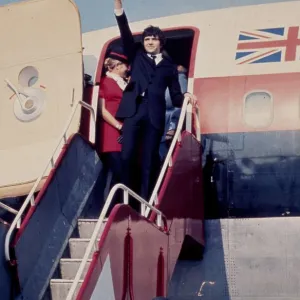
<point x="267" y="45"/>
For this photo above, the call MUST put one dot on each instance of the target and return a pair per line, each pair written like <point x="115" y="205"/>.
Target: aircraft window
<point x="258" y="109"/>
<point x="32" y="80"/>
<point x="28" y="76"/>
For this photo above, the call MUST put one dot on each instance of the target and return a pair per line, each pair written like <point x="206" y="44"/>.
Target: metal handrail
<point x="30" y="198"/>
<point x="198" y="126"/>
<point x="186" y="112"/>
<point x="93" y="244"/>
<point x="8" y="208"/>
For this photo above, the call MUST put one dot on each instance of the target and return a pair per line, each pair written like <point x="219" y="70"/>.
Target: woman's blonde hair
<point x="110" y="63"/>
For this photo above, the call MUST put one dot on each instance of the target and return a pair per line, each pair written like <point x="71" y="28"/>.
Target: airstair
<point x="70" y="265"/>
<point x="58" y="254"/>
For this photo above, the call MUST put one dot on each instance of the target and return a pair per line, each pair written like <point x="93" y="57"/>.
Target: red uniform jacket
<point x="112" y="94"/>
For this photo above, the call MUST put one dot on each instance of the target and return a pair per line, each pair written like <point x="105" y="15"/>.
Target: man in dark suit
<point x="143" y="105"/>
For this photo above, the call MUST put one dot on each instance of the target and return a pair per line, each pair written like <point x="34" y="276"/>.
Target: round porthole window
<point x="28" y="76"/>
<point x="258" y="109"/>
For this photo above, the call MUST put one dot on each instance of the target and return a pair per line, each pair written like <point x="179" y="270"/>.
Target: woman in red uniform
<point x="111" y="92"/>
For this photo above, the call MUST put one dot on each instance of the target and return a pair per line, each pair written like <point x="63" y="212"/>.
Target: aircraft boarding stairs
<point x="58" y="254"/>
<point x="69" y="265"/>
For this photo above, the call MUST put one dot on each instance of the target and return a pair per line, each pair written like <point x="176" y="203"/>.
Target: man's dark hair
<point x="156" y="32"/>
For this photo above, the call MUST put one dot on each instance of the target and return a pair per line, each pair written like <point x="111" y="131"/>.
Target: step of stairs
<point x="70" y="266"/>
<point x="78" y="247"/>
<point x="87" y="226"/>
<point x="60" y="288"/>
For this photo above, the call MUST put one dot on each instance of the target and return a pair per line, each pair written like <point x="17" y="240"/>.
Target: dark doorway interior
<point x="178" y="45"/>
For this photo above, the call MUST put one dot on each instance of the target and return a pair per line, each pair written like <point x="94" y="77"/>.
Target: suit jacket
<point x="146" y="76"/>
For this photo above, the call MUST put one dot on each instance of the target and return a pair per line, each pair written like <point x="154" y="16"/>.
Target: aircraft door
<point x="40" y="81"/>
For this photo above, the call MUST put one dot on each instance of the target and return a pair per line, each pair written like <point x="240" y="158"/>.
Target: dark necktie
<point x="153" y="57"/>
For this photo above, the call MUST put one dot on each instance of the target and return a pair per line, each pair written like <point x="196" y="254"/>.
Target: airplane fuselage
<point x="244" y="67"/>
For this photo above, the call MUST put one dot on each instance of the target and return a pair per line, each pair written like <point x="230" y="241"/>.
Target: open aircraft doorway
<point x="181" y="46"/>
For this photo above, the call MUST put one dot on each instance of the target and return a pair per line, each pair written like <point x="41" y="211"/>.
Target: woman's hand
<point x="119" y="126"/>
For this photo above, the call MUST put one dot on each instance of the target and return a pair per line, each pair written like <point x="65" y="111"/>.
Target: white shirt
<point x="158" y="57"/>
<point x="118" y="79"/>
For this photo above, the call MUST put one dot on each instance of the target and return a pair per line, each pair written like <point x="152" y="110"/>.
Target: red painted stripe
<point x="255" y="34"/>
<point x="259" y="45"/>
<point x="222" y="108"/>
<point x="292" y="43"/>
<point x="257" y="56"/>
<point x="194" y="50"/>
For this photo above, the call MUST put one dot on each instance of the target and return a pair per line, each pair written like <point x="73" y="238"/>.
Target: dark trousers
<point x="139" y="129"/>
<point x="112" y="161"/>
<point x="113" y="165"/>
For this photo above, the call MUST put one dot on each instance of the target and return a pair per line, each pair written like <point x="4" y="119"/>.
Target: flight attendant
<point x="111" y="92"/>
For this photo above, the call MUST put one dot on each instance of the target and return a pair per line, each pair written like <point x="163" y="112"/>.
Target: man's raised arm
<point x="126" y="35"/>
